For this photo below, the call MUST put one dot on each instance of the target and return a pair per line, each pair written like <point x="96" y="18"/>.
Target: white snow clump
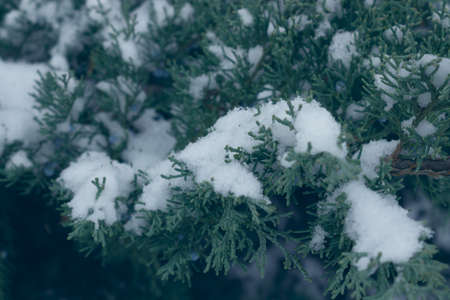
<point x="378" y="224"/>
<point x="78" y="178"/>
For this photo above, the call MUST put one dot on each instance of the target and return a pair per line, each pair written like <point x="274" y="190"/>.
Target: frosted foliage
<point x="246" y="16"/>
<point x="425" y="128"/>
<point x="206" y="157"/>
<point x="378" y="224"/>
<point x="16" y="105"/>
<point x="151" y="145"/>
<point x="78" y="178"/>
<point x="315" y="125"/>
<point x="342" y="47"/>
<point x="318" y="238"/>
<point x="371" y="154"/>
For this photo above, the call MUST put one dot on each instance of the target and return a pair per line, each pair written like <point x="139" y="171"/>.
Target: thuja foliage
<point x="140" y="83"/>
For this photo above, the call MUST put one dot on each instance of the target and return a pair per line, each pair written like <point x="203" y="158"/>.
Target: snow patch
<point x="425" y="128"/>
<point x="342" y="48"/>
<point x="378" y="224"/>
<point x="246" y="17"/>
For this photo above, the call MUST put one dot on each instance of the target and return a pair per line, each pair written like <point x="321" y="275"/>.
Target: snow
<point x="271" y="29"/>
<point x="229" y="57"/>
<point x="266" y="93"/>
<point x="246" y="16"/>
<point x="342" y="47"/>
<point x="424" y="99"/>
<point x="407" y="124"/>
<point x="255" y="54"/>
<point x="354" y="111"/>
<point x="198" y="84"/>
<point x="332" y="7"/>
<point x="19" y="159"/>
<point x="60" y="16"/>
<point x="315" y="125"/>
<point x="425" y="128"/>
<point x="16" y="104"/>
<point x="284" y="162"/>
<point x="445" y="21"/>
<point x="318" y="238"/>
<point x="443" y="68"/>
<point x="155" y="194"/>
<point x="163" y="11"/>
<point x="368" y="3"/>
<point x="117" y="134"/>
<point x="299" y="22"/>
<point x="387" y="90"/>
<point x="395" y="33"/>
<point x="186" y="11"/>
<point x="142" y="15"/>
<point x="378" y="224"/>
<point x="323" y="28"/>
<point x="78" y="178"/>
<point x="151" y="144"/>
<point x="206" y="157"/>
<point x="371" y="154"/>
<point x="373" y="61"/>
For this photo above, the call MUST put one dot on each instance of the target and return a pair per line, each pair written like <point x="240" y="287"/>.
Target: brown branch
<point x="429" y="167"/>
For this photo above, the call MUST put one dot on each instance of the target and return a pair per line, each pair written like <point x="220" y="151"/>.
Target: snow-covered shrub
<point x="178" y="137"/>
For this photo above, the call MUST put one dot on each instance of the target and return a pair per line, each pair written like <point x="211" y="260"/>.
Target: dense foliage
<point x="224" y="149"/>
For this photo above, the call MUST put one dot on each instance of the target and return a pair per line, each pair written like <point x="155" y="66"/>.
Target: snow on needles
<point x="378" y="224"/>
<point x="78" y="178"/>
<point x="206" y="157"/>
<point x="371" y="154"/>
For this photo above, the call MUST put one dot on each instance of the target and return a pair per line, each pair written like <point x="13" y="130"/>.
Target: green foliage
<point x="181" y="75"/>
